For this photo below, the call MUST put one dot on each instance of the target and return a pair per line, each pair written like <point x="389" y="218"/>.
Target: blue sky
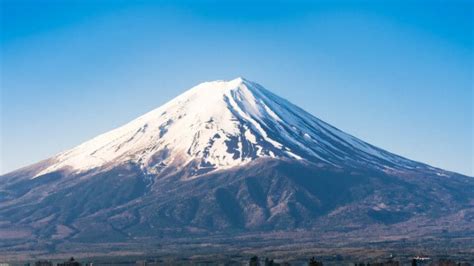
<point x="398" y="74"/>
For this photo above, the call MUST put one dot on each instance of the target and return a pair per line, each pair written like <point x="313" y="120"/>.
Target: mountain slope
<point x="228" y="157"/>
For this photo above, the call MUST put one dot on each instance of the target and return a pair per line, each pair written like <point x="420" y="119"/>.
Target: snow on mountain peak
<point x="218" y="125"/>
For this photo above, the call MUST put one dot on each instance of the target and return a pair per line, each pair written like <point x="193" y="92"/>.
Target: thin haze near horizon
<point x="397" y="74"/>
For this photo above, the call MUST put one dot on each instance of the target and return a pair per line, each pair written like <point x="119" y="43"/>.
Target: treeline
<point x="255" y="261"/>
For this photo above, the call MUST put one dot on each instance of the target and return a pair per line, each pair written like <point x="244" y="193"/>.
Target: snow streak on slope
<point x="222" y="124"/>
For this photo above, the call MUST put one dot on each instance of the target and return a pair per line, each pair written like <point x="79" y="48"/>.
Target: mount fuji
<point x="229" y="158"/>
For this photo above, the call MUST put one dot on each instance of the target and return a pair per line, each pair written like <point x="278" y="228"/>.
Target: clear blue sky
<point x="398" y="74"/>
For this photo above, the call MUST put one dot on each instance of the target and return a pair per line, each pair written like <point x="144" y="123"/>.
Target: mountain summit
<point x="222" y="124"/>
<point x="229" y="158"/>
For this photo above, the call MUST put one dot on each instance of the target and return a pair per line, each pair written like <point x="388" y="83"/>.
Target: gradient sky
<point x="397" y="74"/>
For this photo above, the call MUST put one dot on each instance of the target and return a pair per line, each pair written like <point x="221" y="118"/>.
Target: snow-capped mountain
<point x="228" y="157"/>
<point x="222" y="124"/>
